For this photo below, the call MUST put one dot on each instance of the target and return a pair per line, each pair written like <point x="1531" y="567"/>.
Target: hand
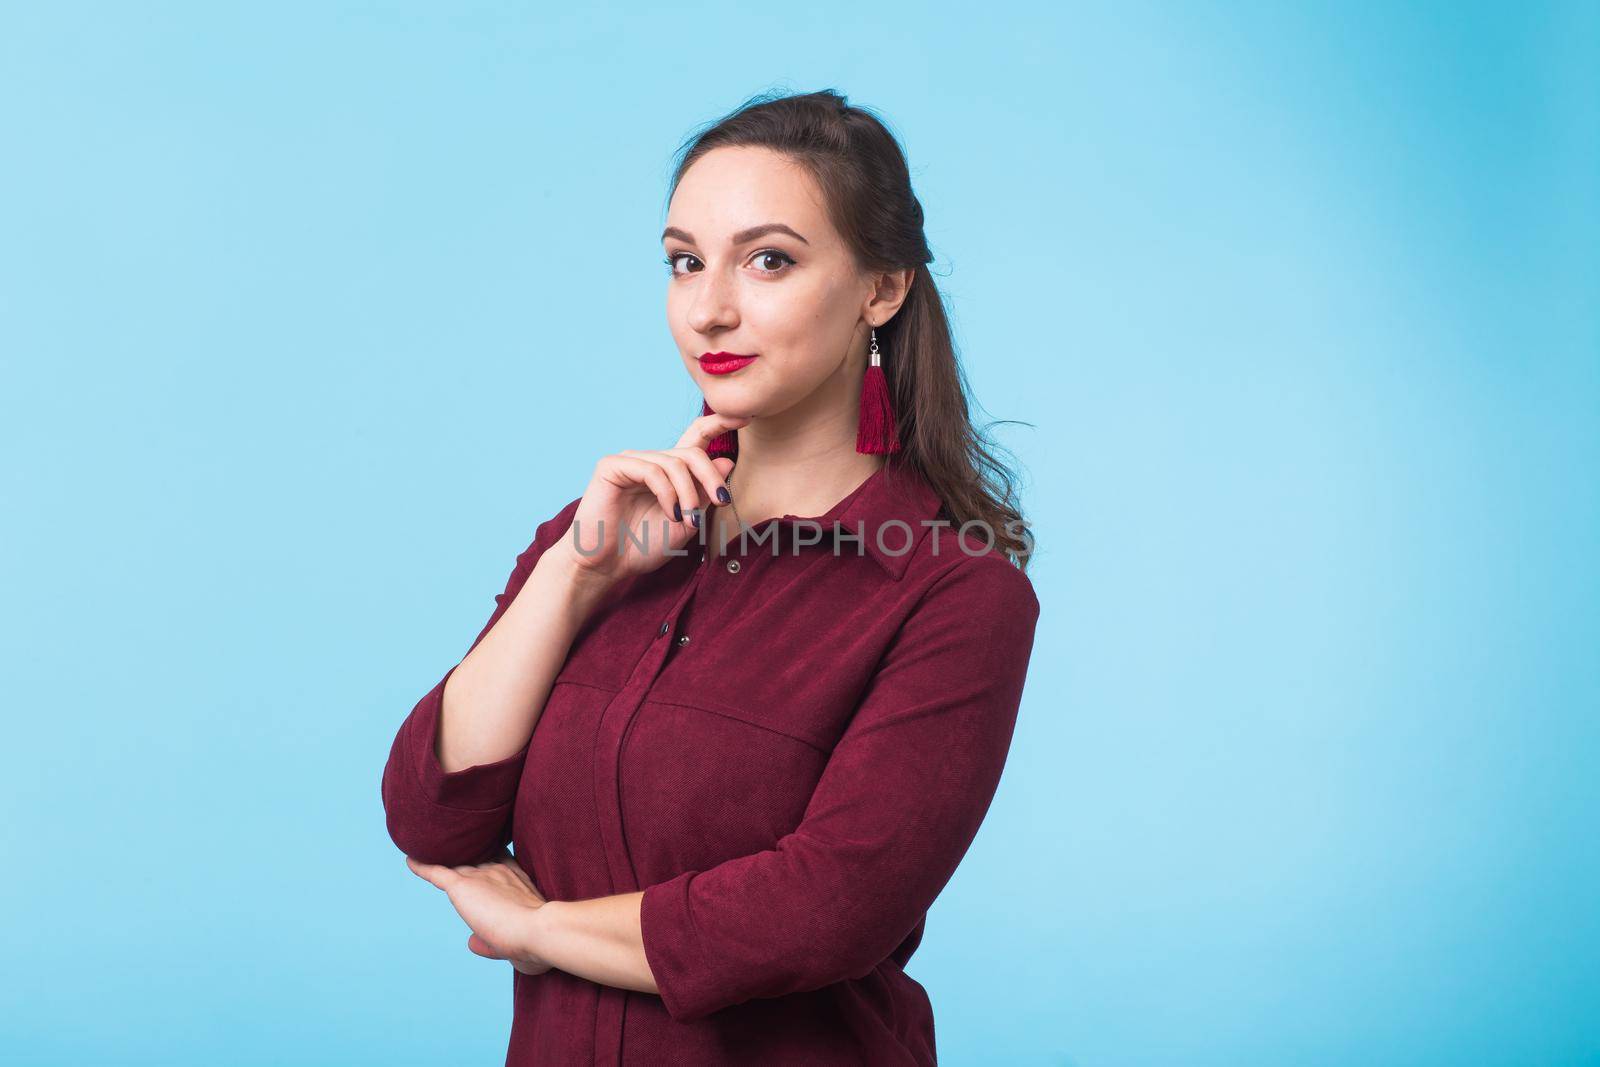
<point x="637" y="490"/>
<point x="496" y="899"/>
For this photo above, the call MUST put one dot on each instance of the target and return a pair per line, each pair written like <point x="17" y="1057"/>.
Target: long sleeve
<point x="459" y="817"/>
<point x="899" y="802"/>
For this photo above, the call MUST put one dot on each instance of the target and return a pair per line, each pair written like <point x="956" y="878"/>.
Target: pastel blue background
<point x="310" y="313"/>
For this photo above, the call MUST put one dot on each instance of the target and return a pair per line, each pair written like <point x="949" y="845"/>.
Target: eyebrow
<point x="742" y="236"/>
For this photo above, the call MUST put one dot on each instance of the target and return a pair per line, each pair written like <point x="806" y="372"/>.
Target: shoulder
<point x="971" y="622"/>
<point x="975" y="586"/>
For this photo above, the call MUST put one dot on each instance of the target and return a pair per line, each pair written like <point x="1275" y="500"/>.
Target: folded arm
<point x="452" y="773"/>
<point x="896" y="808"/>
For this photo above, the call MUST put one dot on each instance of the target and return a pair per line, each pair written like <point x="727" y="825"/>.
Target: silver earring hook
<point x="876" y="358"/>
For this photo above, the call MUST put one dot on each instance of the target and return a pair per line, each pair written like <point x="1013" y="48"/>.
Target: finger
<point x="511" y="861"/>
<point x="483" y="948"/>
<point x="649" y="475"/>
<point x="515" y="867"/>
<point x="703" y="429"/>
<point x="682" y="481"/>
<point x="712" y="473"/>
<point x="430" y="872"/>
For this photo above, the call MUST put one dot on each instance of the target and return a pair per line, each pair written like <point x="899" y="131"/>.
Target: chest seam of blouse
<point x="585" y="685"/>
<point x="808" y="742"/>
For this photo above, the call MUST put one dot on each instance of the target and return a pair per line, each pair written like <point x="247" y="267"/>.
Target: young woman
<point x="743" y="704"/>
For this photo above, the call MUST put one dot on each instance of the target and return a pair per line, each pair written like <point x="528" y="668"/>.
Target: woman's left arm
<point x="597" y="939"/>
<point x="898" y="804"/>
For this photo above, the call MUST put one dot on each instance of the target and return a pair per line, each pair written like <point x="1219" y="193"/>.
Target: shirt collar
<point x="891" y="495"/>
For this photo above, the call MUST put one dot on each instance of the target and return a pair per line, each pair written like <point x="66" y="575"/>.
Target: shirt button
<point x="663" y="629"/>
<point x="733" y="566"/>
<point x="684" y="640"/>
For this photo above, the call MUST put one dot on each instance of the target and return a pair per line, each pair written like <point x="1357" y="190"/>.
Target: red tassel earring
<point x="876" y="430"/>
<point x="725" y="443"/>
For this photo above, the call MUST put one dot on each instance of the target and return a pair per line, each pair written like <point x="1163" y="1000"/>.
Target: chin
<point x="740" y="411"/>
<point x="727" y="399"/>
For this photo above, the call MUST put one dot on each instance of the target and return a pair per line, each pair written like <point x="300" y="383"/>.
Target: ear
<point x="889" y="291"/>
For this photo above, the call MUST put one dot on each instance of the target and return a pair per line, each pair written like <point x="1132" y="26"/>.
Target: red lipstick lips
<point x="724" y="362"/>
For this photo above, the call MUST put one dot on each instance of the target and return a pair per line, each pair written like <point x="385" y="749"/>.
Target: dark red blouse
<point x="788" y="750"/>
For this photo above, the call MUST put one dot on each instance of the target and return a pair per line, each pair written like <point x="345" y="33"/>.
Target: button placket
<point x="610" y="738"/>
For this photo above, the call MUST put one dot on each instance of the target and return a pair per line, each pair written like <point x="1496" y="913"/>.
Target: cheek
<point x="812" y="329"/>
<point x="682" y="334"/>
<point x="800" y="366"/>
<point x="800" y="314"/>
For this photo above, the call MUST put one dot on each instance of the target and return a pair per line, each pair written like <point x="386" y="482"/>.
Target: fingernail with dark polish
<point x="722" y="494"/>
<point x="694" y="517"/>
<point x="677" y="513"/>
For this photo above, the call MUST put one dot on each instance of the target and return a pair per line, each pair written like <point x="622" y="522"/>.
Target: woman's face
<point x="757" y="269"/>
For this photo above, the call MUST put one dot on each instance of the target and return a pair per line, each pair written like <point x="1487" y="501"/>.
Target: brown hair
<point x="862" y="172"/>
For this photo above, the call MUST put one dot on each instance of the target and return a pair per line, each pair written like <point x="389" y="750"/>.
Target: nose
<point x="715" y="305"/>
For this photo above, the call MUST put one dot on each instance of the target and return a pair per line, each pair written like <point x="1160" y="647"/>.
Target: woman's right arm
<point x="453" y="769"/>
<point x="493" y="698"/>
<point x="452" y="775"/>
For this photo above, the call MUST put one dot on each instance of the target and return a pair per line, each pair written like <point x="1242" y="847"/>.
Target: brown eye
<point x="769" y="255"/>
<point x="672" y="260"/>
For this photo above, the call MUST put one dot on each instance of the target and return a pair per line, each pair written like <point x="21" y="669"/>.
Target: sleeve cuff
<point x="667" y="929"/>
<point x="481" y="787"/>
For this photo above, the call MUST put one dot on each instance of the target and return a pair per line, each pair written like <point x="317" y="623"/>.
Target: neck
<point x="803" y="460"/>
<point x="770" y="480"/>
